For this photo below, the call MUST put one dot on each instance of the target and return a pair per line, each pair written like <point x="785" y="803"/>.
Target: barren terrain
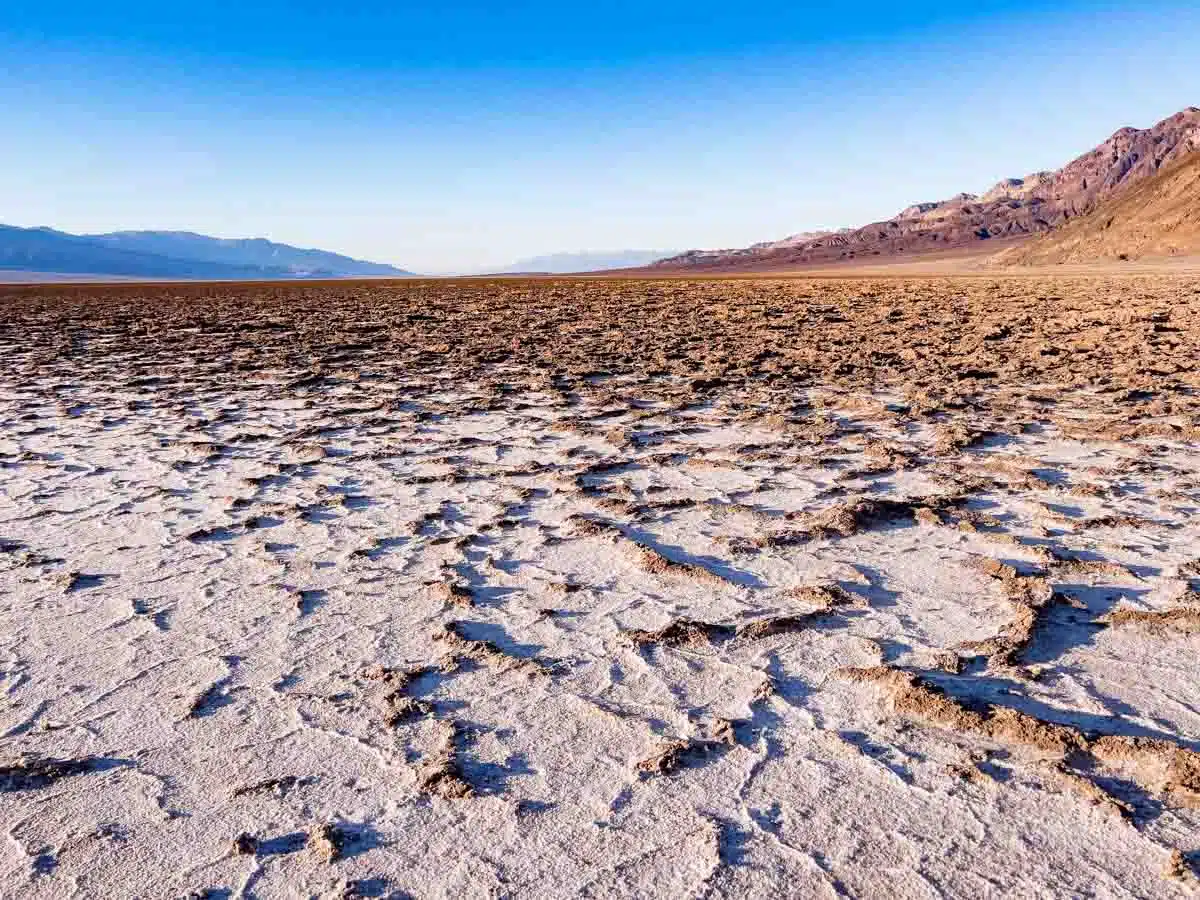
<point x="1157" y="218"/>
<point x="555" y="588"/>
<point x="1003" y="219"/>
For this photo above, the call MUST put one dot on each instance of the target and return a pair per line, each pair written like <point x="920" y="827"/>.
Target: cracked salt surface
<point x="234" y="597"/>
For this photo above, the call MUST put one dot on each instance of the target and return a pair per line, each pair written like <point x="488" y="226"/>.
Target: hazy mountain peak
<point x="585" y="261"/>
<point x="254" y="252"/>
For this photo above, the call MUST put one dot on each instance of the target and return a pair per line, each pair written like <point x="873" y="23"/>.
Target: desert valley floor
<point x="601" y="588"/>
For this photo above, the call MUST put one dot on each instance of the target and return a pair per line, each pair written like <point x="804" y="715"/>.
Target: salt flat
<point x="579" y="588"/>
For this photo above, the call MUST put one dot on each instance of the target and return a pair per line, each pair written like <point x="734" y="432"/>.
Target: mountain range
<point x="173" y="254"/>
<point x="1136" y="194"/>
<point x="1014" y="209"/>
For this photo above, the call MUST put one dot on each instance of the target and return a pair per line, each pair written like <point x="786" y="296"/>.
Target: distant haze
<point x="560" y="263"/>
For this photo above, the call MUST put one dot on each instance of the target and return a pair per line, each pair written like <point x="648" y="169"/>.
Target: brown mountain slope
<point x="1158" y="217"/>
<point x="1014" y="208"/>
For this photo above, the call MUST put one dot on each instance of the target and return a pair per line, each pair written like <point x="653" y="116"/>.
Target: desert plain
<point x="803" y="587"/>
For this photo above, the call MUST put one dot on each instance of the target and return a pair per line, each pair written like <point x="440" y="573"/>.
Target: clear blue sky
<point x="453" y="136"/>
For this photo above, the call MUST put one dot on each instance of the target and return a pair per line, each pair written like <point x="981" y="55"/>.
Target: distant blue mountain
<point x="256" y="252"/>
<point x="172" y="254"/>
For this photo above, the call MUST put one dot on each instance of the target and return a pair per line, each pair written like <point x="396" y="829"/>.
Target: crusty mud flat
<point x="601" y="588"/>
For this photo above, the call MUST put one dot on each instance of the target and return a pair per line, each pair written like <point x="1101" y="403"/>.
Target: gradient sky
<point x="458" y="136"/>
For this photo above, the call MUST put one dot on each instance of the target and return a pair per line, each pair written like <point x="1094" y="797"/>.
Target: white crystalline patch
<point x="223" y="607"/>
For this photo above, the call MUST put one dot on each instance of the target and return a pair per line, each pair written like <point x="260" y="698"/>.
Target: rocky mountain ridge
<point x="1157" y="218"/>
<point x="1014" y="208"/>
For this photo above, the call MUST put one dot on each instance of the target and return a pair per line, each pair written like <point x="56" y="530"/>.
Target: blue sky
<point x="457" y="136"/>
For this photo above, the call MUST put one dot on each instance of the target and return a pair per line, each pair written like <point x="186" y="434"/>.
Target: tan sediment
<point x="442" y="774"/>
<point x="1182" y="620"/>
<point x="1159" y="765"/>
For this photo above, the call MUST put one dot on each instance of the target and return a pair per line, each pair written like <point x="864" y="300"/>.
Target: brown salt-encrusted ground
<point x="599" y="588"/>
